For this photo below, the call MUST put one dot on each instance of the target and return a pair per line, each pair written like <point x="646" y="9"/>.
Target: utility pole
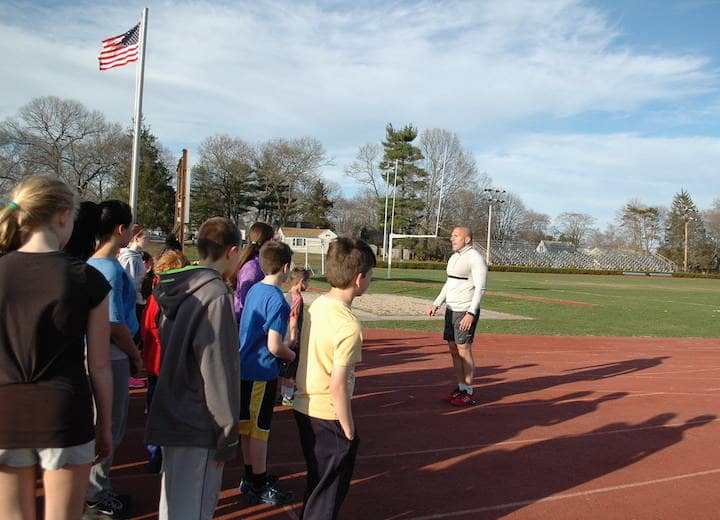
<point x="686" y="246"/>
<point x="687" y="218"/>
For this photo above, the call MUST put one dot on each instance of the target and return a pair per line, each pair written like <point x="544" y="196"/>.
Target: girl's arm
<point x="121" y="337"/>
<point x="98" y="356"/>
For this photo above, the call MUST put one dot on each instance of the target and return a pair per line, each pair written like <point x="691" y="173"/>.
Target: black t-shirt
<point x="45" y="397"/>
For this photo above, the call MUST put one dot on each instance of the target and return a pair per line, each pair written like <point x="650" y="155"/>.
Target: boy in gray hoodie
<point x="195" y="409"/>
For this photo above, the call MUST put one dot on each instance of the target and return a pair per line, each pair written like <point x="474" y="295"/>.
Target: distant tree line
<point x="435" y="181"/>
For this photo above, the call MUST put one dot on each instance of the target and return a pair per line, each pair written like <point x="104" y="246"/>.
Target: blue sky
<point x="573" y="105"/>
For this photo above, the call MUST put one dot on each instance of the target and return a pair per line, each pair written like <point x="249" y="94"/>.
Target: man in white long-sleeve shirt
<point x="462" y="294"/>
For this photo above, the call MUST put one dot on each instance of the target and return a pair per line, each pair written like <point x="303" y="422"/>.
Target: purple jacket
<point x="248" y="275"/>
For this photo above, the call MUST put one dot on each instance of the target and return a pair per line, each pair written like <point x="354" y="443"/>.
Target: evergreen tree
<point x="411" y="178"/>
<point x="317" y="205"/>
<point x="156" y="195"/>
<point x="700" y="250"/>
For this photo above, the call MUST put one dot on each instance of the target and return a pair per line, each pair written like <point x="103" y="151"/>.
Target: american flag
<point x="120" y="50"/>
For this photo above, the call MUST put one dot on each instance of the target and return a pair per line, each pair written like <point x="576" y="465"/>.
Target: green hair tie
<point x="14" y="205"/>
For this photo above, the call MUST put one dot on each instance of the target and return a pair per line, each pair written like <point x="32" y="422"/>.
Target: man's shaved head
<point x="465" y="231"/>
<point x="460" y="237"/>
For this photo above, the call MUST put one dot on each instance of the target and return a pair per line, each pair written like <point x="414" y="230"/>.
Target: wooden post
<point x="180" y="198"/>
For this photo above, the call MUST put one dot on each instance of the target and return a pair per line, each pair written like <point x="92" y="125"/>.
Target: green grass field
<point x="622" y="306"/>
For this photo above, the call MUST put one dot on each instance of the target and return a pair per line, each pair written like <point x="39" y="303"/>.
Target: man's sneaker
<point x="245" y="484"/>
<point x="110" y="505"/>
<point x="452" y="395"/>
<point x="270" y="493"/>
<point x="134" y="382"/>
<point x="463" y="399"/>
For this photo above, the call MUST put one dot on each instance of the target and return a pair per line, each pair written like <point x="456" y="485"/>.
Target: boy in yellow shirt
<point x="330" y="349"/>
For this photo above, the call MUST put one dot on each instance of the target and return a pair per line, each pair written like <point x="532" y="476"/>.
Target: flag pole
<point x="137" y="126"/>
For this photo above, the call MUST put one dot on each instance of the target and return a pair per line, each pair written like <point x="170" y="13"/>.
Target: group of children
<point x="222" y="354"/>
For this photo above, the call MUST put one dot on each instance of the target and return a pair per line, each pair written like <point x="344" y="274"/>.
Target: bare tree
<point x="711" y="217"/>
<point x="350" y="216"/>
<point x="534" y="227"/>
<point x="468" y="208"/>
<point x="508" y="218"/>
<point x="611" y="238"/>
<point x="63" y="138"/>
<point x="450" y="169"/>
<point x="712" y="220"/>
<point x="223" y="180"/>
<point x="365" y="168"/>
<point x="283" y="168"/>
<point x="574" y="227"/>
<point x="642" y="224"/>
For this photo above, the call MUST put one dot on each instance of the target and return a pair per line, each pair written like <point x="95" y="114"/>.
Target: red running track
<point x="565" y="428"/>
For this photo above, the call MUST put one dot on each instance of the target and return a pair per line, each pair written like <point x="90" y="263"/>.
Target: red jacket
<point x="151" y="336"/>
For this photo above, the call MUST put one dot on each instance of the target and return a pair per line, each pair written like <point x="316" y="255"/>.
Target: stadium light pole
<point x="687" y="218"/>
<point x="493" y="197"/>
<point x="685" y="256"/>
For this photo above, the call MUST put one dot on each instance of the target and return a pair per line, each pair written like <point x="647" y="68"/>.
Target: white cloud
<point x="597" y="174"/>
<point x="340" y="72"/>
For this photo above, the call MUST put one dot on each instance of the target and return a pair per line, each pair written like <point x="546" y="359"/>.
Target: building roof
<point x="556" y="247"/>
<point x="303" y="232"/>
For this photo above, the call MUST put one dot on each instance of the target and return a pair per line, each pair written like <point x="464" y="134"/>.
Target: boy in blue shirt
<point x="263" y="327"/>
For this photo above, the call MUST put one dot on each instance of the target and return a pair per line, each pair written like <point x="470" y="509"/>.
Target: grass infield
<point x="620" y="305"/>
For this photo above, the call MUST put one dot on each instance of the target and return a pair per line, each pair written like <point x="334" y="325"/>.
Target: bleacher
<point x="525" y="254"/>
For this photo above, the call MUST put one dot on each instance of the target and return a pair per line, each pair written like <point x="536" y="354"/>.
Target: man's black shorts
<point x="452" y="330"/>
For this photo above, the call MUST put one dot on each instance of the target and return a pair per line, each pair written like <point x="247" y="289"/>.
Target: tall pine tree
<point x="700" y="250"/>
<point x="317" y="205"/>
<point x="156" y="195"/>
<point x="411" y="178"/>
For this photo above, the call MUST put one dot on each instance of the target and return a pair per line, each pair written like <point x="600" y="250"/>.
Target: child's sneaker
<point x="463" y="399"/>
<point x="109" y="505"/>
<point x="287" y="401"/>
<point x="134" y="382"/>
<point x="245" y="484"/>
<point x="452" y="395"/>
<point x="270" y="493"/>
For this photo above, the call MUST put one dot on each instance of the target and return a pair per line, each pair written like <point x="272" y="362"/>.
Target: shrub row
<point x="398" y="264"/>
<point x="695" y="275"/>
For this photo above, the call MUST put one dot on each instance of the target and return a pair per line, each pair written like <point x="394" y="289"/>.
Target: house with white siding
<point x="314" y="241"/>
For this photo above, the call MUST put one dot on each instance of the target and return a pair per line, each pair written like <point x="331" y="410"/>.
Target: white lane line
<point x="563" y="496"/>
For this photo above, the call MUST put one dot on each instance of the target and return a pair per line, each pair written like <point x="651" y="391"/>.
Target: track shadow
<point x="415" y="451"/>
<point x="507" y="480"/>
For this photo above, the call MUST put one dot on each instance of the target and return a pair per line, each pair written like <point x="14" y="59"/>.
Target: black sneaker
<point x="245" y="484"/>
<point x="270" y="493"/>
<point x="110" y="505"/>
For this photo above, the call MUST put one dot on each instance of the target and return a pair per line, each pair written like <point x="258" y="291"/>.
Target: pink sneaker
<point x="134" y="382"/>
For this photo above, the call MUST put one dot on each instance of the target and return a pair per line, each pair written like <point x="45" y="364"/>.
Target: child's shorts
<point x="289" y="370"/>
<point x="257" y="399"/>
<point x="49" y="458"/>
